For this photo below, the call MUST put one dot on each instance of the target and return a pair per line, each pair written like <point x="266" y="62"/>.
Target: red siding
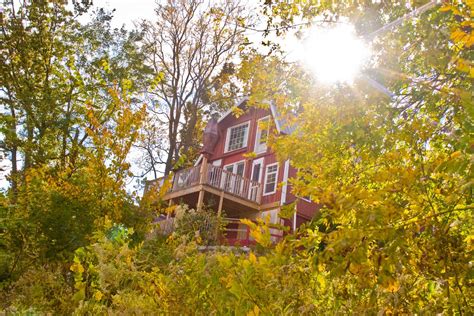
<point x="251" y="115"/>
<point x="299" y="221"/>
<point x="305" y="210"/>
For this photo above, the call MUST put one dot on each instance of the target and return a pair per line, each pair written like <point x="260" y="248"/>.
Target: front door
<point x="256" y="177"/>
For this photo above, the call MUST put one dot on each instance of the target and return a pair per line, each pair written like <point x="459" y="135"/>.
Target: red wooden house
<point x="226" y="179"/>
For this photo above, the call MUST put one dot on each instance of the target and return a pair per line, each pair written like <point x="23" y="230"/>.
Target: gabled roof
<point x="280" y="123"/>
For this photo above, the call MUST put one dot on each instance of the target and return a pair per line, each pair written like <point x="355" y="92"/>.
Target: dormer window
<point x="262" y="135"/>
<point x="237" y="137"/>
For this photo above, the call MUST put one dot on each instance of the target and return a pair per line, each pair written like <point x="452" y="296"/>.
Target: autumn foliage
<point x="393" y="176"/>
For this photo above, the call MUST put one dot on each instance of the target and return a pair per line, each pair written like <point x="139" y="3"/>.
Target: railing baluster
<point x="219" y="178"/>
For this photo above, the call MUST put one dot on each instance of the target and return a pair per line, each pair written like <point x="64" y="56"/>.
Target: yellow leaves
<point x="449" y="7"/>
<point x="455" y="154"/>
<point x="469" y="240"/>
<point x="237" y="112"/>
<point x="157" y="80"/>
<point x="128" y="260"/>
<point x="321" y="267"/>
<point x="77" y="267"/>
<point x="259" y="231"/>
<point x="241" y="21"/>
<point x="254" y="312"/>
<point x="415" y="207"/>
<point x="356" y="268"/>
<point x="224" y="260"/>
<point x="462" y="34"/>
<point x="321" y="281"/>
<point x="390" y="284"/>
<point x="280" y="100"/>
<point x="461" y="38"/>
<point x="295" y="9"/>
<point x="446" y="8"/>
<point x="126" y="84"/>
<point x="250" y="155"/>
<point x="252" y="258"/>
<point x="247" y="222"/>
<point x="105" y="65"/>
<point x="280" y="248"/>
<point x="98" y="295"/>
<point x="465" y="66"/>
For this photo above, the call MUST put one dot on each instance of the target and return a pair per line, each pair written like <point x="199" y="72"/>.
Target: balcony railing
<point x="233" y="183"/>
<point x="186" y="178"/>
<point x="217" y="178"/>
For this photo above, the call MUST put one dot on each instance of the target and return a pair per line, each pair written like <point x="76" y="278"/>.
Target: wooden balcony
<point x="220" y="179"/>
<point x="217" y="188"/>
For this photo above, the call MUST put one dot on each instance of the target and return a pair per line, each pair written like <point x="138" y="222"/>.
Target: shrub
<point x="204" y="226"/>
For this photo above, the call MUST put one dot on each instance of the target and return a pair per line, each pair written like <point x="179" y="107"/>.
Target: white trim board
<point x="284" y="189"/>
<point x="228" y="112"/>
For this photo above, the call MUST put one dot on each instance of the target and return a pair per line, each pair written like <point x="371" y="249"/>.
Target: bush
<point x="204" y="226"/>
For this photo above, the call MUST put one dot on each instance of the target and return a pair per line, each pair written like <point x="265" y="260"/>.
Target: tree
<point x="52" y="66"/>
<point x="68" y="124"/>
<point x="186" y="46"/>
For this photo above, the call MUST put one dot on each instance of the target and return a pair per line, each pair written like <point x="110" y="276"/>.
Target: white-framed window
<point x="262" y="135"/>
<point x="271" y="179"/>
<point x="237" y="137"/>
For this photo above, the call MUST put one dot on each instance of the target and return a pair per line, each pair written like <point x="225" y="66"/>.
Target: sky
<point x="128" y="11"/>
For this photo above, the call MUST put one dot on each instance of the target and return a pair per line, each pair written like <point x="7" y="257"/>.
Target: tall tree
<point x="51" y="66"/>
<point x="67" y="123"/>
<point x="187" y="46"/>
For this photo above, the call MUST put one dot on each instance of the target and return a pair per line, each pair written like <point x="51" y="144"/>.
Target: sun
<point x="334" y="54"/>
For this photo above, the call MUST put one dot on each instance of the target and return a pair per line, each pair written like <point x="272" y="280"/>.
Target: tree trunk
<point x="14" y="157"/>
<point x="189" y="142"/>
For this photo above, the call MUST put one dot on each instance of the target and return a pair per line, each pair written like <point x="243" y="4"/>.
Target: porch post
<point x="202" y="180"/>
<point x="203" y="170"/>
<point x="219" y="214"/>
<point x="221" y="201"/>
<point x="200" y="201"/>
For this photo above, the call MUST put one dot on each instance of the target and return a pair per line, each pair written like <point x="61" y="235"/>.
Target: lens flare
<point x="334" y="54"/>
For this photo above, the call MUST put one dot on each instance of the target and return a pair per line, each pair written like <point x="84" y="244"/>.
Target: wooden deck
<point x="214" y="187"/>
